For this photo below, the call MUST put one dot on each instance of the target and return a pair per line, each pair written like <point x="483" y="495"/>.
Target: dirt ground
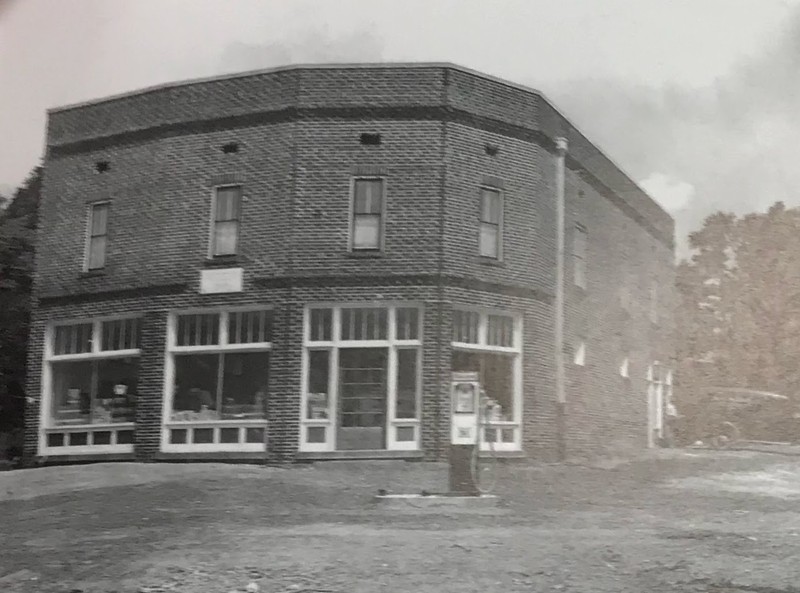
<point x="721" y="522"/>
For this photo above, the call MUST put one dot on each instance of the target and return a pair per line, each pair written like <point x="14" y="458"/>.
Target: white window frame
<point x="212" y="238"/>
<point x="172" y="349"/>
<point x="333" y="347"/>
<point x="88" y="235"/>
<point x="579" y="356"/>
<point x="352" y="215"/>
<point x="46" y="424"/>
<point x="500" y="224"/>
<point x="516" y="352"/>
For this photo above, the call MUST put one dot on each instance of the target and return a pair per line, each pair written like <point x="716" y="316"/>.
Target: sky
<point x="697" y="100"/>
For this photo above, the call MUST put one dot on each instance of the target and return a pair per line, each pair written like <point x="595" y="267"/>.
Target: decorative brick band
<point x="93" y="297"/>
<point x="408" y="113"/>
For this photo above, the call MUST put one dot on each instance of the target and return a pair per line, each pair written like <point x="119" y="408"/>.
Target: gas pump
<point x="465" y="395"/>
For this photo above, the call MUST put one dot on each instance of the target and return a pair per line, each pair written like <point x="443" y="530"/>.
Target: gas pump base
<point x="461" y="479"/>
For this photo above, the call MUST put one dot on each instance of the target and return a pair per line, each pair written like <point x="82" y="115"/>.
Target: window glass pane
<point x="78" y="439"/>
<point x="248" y="327"/>
<point x="580" y="242"/>
<point x="195" y="387"/>
<point x="101" y="437"/>
<point x="117" y="390"/>
<point x="580" y="273"/>
<point x="366" y="231"/>
<point x="320" y="325"/>
<point x="203" y="436"/>
<point x="364" y="324"/>
<point x="229" y="435"/>
<point x="120" y="334"/>
<point x="362" y="392"/>
<point x="99" y="219"/>
<point x="489" y="240"/>
<point x="490" y="206"/>
<point x="318" y="373"/>
<point x="178" y="436"/>
<point x="225" y="237"/>
<point x="228" y="199"/>
<point x="97" y="252"/>
<point x="465" y="326"/>
<point x="407" y="320"/>
<point x="315" y="434"/>
<point x="500" y="331"/>
<point x="407" y="381"/>
<point x="369" y="196"/>
<point x="244" y="385"/>
<point x="254" y="435"/>
<point x="73" y="339"/>
<point x="72" y="392"/>
<point x="198" y="329"/>
<point x="405" y="434"/>
<point x="55" y="439"/>
<point x="124" y="437"/>
<point x="497" y="379"/>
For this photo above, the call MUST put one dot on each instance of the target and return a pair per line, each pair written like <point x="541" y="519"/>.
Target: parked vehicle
<point x="725" y="415"/>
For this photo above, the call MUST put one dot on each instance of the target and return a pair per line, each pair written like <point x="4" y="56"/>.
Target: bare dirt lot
<point x="721" y="522"/>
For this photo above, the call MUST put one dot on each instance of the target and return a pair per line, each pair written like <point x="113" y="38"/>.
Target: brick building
<point x="289" y="264"/>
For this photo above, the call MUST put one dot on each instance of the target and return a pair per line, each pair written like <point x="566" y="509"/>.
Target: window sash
<point x="227" y="215"/>
<point x="490" y="240"/>
<point x="491" y="207"/>
<point x="228" y="204"/>
<point x="99" y="222"/>
<point x="120" y="334"/>
<point x="368" y="196"/>
<point x="366" y="231"/>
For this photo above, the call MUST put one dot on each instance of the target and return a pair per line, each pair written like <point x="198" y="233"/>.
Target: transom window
<point x="98" y="236"/>
<point x="226" y="218"/>
<point x="491" y="223"/>
<point x="368" y="208"/>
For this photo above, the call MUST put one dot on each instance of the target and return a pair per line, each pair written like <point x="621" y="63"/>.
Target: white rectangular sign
<point x="218" y="281"/>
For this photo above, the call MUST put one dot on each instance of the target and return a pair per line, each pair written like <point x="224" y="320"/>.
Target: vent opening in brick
<point x="230" y="147"/>
<point x="102" y="166"/>
<point x="492" y="150"/>
<point x="371" y="139"/>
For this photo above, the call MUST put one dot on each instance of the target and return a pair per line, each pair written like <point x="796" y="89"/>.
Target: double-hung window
<point x="368" y="210"/>
<point x="226" y="220"/>
<point x="218" y="371"/>
<point x="579" y="243"/>
<point x="98" y="236"/>
<point x="91" y="376"/>
<point x="491" y="223"/>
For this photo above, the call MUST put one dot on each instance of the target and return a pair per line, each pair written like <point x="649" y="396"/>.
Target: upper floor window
<point x="654" y="301"/>
<point x="367" y="224"/>
<point x="491" y="226"/>
<point x="227" y="214"/>
<point x="579" y="256"/>
<point x="98" y="236"/>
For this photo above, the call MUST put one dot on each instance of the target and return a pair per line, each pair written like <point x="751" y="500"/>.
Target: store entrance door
<point x="362" y="399"/>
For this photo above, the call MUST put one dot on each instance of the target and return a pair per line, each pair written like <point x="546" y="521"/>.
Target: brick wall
<point x="298" y="134"/>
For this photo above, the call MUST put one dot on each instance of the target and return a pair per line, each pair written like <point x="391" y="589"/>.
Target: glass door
<point x="362" y="399"/>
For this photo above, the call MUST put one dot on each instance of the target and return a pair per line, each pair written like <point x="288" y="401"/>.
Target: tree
<point x="18" y="221"/>
<point x="739" y="306"/>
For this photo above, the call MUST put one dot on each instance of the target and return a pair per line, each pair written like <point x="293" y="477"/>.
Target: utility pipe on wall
<point x="561" y="153"/>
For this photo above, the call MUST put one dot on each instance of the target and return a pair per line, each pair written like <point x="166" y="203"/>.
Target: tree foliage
<point x="18" y="221"/>
<point x="738" y="319"/>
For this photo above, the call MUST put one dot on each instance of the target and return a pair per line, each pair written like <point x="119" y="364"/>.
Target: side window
<point x="491" y="223"/>
<point x="366" y="232"/>
<point x="226" y="210"/>
<point x="579" y="242"/>
<point x="98" y="236"/>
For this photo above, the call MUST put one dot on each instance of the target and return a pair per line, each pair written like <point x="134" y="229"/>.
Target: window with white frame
<point x="97" y="240"/>
<point x="362" y="378"/>
<point x="490" y="344"/>
<point x="579" y="244"/>
<point x="491" y="223"/>
<point x="366" y="232"/>
<point x="624" y="370"/>
<point x="654" y="301"/>
<point x="579" y="354"/>
<point x="91" y="384"/>
<point x="218" y="371"/>
<point x="226" y="209"/>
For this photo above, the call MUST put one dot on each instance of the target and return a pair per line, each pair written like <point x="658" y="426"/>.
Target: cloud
<point x="673" y="195"/>
<point x="731" y="146"/>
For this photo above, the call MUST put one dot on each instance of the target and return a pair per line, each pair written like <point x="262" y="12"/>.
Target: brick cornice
<point x="52" y="300"/>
